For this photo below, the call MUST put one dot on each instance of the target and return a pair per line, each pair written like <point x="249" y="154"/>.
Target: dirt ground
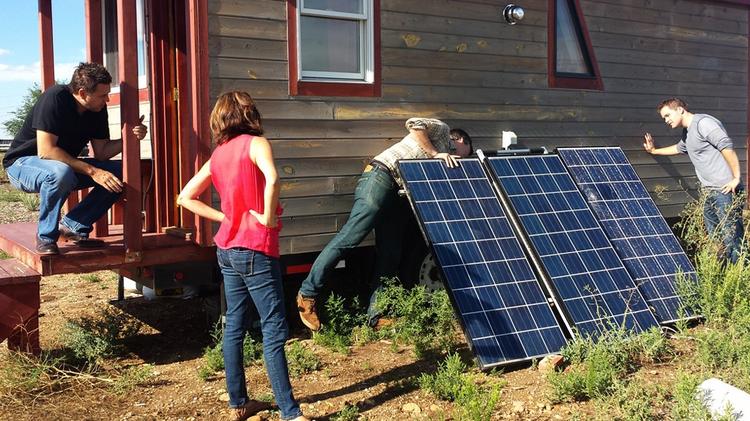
<point x="375" y="377"/>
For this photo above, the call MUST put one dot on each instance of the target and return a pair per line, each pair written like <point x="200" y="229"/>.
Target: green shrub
<point x="634" y="400"/>
<point x="30" y="201"/>
<point x="213" y="356"/>
<point x="599" y="366"/>
<point x="423" y="319"/>
<point x="340" y="321"/>
<point x="452" y="383"/>
<point x="687" y="406"/>
<point x="301" y="360"/>
<point x="91" y="339"/>
<point x="132" y="377"/>
<point x="349" y="413"/>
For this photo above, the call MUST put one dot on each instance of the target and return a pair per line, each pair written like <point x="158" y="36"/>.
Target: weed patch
<point x="452" y="383"/>
<point x="341" y="319"/>
<point x="301" y="359"/>
<point x="599" y="366"/>
<point x="213" y="356"/>
<point x="423" y="319"/>
<point x="91" y="339"/>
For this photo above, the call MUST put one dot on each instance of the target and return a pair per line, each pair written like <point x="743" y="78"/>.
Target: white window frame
<point x="141" y="26"/>
<point x="367" y="43"/>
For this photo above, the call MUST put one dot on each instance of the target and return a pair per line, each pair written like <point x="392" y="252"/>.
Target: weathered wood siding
<point x="457" y="61"/>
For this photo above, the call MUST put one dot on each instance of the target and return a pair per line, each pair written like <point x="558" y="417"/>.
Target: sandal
<point x="250" y="408"/>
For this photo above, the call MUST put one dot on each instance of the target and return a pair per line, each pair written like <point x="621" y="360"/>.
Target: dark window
<point x="571" y="58"/>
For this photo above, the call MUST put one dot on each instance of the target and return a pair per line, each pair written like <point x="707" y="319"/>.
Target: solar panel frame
<point x="586" y="278"/>
<point x="483" y="244"/>
<point x="632" y="221"/>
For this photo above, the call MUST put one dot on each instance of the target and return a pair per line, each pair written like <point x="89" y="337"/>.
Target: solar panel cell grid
<point x="505" y="314"/>
<point x="590" y="279"/>
<point x="631" y="219"/>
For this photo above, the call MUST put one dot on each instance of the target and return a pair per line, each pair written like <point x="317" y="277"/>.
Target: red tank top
<point x="240" y="185"/>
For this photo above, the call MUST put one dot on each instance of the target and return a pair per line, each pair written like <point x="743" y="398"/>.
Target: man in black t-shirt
<point x="43" y="156"/>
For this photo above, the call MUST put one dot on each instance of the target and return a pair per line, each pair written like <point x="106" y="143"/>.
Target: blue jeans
<point x="251" y="275"/>
<point x="376" y="206"/>
<point x="722" y="214"/>
<point x="54" y="181"/>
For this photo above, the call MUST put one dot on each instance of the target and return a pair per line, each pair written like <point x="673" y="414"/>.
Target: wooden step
<point x="19" y="306"/>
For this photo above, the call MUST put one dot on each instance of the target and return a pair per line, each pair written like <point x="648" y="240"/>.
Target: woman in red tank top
<point x="242" y="170"/>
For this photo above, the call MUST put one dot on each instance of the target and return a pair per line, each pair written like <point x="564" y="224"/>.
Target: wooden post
<point x="46" y="48"/>
<point x="131" y="151"/>
<point x="198" y="52"/>
<point x="94" y="45"/>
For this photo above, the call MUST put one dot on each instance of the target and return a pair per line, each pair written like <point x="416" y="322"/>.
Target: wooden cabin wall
<point x="115" y="131"/>
<point x="456" y="60"/>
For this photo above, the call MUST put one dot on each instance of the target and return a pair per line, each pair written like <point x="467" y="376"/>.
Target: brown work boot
<point x="307" y="312"/>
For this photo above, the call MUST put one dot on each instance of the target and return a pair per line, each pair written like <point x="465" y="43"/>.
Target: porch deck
<point x="19" y="241"/>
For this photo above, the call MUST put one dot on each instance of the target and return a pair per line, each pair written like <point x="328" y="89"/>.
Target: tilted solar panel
<point x="504" y="313"/>
<point x="571" y="249"/>
<point x="639" y="233"/>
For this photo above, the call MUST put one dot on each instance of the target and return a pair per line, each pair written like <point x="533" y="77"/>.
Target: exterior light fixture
<point x="513" y="14"/>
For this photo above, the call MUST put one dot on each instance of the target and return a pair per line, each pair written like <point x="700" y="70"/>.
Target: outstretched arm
<point x="648" y="144"/>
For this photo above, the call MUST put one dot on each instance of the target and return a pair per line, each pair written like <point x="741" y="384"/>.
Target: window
<point x="109" y="41"/>
<point x="571" y="58"/>
<point x="334" y="47"/>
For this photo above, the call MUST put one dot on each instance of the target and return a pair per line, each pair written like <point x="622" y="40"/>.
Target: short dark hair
<point x="672" y="103"/>
<point x="467" y="139"/>
<point x="87" y="76"/>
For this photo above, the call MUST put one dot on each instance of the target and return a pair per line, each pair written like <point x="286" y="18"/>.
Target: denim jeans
<point x="54" y="181"/>
<point x="722" y="214"/>
<point x="251" y="275"/>
<point x="376" y="206"/>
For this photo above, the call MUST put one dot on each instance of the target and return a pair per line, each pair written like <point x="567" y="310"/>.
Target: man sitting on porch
<point x="43" y="156"/>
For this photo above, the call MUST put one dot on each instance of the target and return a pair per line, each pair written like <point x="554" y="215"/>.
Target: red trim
<point x="560" y="81"/>
<point x="199" y="96"/>
<point x="131" y="154"/>
<point x="94" y="44"/>
<point x="301" y="88"/>
<point x="46" y="47"/>
<point x="114" y="98"/>
<point x="296" y="269"/>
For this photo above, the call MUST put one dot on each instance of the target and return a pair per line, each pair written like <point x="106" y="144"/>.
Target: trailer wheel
<point x="429" y="274"/>
<point x="420" y="269"/>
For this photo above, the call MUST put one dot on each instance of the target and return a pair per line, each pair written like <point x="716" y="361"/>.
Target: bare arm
<point x="424" y="142"/>
<point x="734" y="164"/>
<point x="46" y="146"/>
<point x="189" y="197"/>
<point x="648" y="144"/>
<point x="262" y="156"/>
<point x="105" y="149"/>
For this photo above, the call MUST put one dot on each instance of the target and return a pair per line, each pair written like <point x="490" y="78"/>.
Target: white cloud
<point x="3" y="52"/>
<point x="32" y="72"/>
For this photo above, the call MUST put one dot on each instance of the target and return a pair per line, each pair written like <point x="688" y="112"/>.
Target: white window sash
<point x="366" y="42"/>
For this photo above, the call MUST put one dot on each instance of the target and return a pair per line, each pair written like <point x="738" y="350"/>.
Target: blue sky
<point x="19" y="48"/>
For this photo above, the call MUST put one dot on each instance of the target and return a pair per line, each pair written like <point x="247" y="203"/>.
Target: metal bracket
<point x="133" y="256"/>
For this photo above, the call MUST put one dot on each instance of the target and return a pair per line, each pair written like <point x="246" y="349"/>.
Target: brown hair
<point x="235" y="114"/>
<point x="672" y="103"/>
<point x="87" y="76"/>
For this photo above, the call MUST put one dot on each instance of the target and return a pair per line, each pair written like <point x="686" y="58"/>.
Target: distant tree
<point x="13" y="126"/>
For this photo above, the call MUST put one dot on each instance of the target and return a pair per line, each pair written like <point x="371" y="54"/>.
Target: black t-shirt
<point x="55" y="112"/>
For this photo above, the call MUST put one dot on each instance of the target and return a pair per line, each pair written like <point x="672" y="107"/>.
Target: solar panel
<point x="639" y="233"/>
<point x="570" y="248"/>
<point x="503" y="311"/>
